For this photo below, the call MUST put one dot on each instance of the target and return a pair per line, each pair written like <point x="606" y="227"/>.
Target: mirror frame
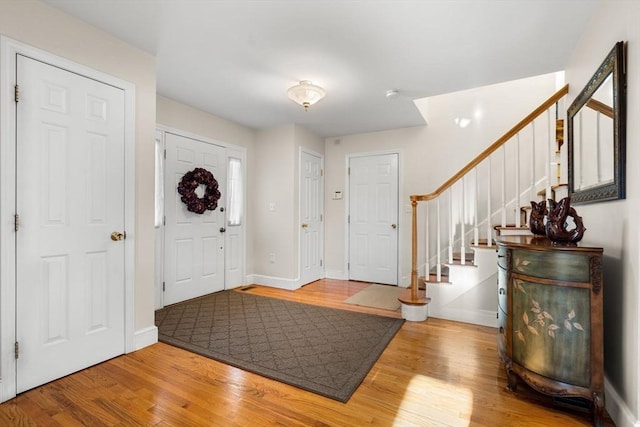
<point x="614" y="64"/>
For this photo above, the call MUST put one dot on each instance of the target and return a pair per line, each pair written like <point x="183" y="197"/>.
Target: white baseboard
<point x="476" y="317"/>
<point x="145" y="337"/>
<point x="336" y="275"/>
<point x="617" y="408"/>
<point x="274" y="282"/>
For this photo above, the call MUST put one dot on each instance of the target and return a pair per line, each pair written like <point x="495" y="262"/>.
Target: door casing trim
<point x="9" y="48"/>
<point x="347" y="210"/>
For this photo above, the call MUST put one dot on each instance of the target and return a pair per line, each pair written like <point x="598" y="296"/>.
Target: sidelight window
<point x="235" y="193"/>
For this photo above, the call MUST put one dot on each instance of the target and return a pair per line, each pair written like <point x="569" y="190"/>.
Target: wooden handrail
<point x="493" y="147"/>
<point x="600" y="107"/>
<point x="414" y="296"/>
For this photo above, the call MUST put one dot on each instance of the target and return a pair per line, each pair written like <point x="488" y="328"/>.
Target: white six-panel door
<point x="311" y="236"/>
<point x="373" y="218"/>
<point x="194" y="244"/>
<point x="70" y="284"/>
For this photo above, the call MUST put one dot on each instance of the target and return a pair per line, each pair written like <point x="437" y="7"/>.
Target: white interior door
<point x="70" y="280"/>
<point x="194" y="244"/>
<point x="373" y="218"/>
<point x="311" y="235"/>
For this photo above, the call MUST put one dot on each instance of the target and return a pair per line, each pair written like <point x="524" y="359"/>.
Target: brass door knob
<point x="305" y="225"/>
<point x="394" y="226"/>
<point x="116" y="235"/>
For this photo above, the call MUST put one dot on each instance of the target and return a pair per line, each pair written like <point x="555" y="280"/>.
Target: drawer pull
<point x="502" y="291"/>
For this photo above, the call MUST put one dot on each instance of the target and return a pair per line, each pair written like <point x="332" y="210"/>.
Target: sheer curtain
<point x="234" y="191"/>
<point x="159" y="183"/>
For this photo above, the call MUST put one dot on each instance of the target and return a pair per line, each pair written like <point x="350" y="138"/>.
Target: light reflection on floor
<point x="431" y="402"/>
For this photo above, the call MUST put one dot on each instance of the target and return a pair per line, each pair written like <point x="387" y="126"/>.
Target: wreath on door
<point x="187" y="189"/>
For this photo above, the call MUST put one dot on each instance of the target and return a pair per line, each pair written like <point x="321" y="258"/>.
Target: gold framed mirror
<point x="596" y="128"/>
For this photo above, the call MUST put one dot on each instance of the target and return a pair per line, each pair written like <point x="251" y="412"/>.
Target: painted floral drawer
<point x="565" y="267"/>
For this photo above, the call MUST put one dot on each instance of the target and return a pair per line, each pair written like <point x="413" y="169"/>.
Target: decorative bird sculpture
<point x="558" y="227"/>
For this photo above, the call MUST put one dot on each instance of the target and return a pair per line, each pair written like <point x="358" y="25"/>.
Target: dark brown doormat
<point x="323" y="350"/>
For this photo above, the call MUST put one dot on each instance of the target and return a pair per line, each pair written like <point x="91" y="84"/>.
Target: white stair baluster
<point x="451" y="225"/>
<point x="438" y="240"/>
<point x="462" y="215"/>
<point x="517" y="164"/>
<point x="489" y="230"/>
<point x="503" y="223"/>
<point x="426" y="239"/>
<point x="533" y="163"/>
<point x="476" y="191"/>
<point x="551" y="134"/>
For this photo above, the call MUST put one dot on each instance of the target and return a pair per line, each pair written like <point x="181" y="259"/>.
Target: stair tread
<point x="468" y="263"/>
<point x="432" y="280"/>
<point x="554" y="187"/>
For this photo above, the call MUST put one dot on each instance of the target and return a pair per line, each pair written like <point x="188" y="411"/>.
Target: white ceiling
<point x="237" y="58"/>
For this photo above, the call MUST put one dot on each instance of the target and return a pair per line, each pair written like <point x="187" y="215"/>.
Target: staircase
<point x="453" y="258"/>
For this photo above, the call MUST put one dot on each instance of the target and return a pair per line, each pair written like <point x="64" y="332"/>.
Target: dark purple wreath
<point x="187" y="188"/>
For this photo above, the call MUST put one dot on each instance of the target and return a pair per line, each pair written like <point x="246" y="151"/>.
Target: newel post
<point x="414" y="249"/>
<point x="414" y="302"/>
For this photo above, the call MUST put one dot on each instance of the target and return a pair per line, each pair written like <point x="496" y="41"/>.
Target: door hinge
<point x="16" y="349"/>
<point x="164" y="220"/>
<point x="497" y="317"/>
<point x="16" y="93"/>
<point x="163" y="286"/>
<point x="348" y="219"/>
<point x="16" y="222"/>
<point x="165" y="153"/>
<point x="320" y="217"/>
<point x="321" y="172"/>
<point x="348" y="171"/>
<point x="348" y="266"/>
<point x="320" y="263"/>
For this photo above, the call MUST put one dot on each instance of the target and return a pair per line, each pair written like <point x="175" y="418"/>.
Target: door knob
<point x="116" y="235"/>
<point x="305" y="225"/>
<point x="394" y="226"/>
<point x="222" y="229"/>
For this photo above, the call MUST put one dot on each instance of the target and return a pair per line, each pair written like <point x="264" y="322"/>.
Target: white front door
<point x="194" y="244"/>
<point x="70" y="284"/>
<point x="373" y="218"/>
<point x="311" y="236"/>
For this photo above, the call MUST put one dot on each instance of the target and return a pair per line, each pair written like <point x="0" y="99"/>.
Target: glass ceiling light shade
<point x="306" y="94"/>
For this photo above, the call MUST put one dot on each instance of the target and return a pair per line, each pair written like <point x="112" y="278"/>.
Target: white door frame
<point x="236" y="149"/>
<point x="401" y="240"/>
<point x="8" y="50"/>
<point x="321" y="202"/>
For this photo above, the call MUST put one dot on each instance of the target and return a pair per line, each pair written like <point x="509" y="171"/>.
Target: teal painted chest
<point x="550" y="331"/>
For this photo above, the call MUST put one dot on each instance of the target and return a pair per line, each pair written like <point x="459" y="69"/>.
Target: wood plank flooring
<point x="433" y="373"/>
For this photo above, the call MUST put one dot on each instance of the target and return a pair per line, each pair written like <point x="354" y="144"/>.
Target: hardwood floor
<point x="433" y="373"/>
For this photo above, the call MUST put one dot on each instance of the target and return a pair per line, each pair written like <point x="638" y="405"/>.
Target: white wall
<point x="614" y="225"/>
<point x="493" y="110"/>
<point x="276" y="196"/>
<point x="410" y="143"/>
<point x="43" y="27"/>
<point x="429" y="155"/>
<point x="274" y="203"/>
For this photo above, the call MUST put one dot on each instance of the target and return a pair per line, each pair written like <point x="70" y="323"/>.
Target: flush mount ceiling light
<point x="306" y="94"/>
